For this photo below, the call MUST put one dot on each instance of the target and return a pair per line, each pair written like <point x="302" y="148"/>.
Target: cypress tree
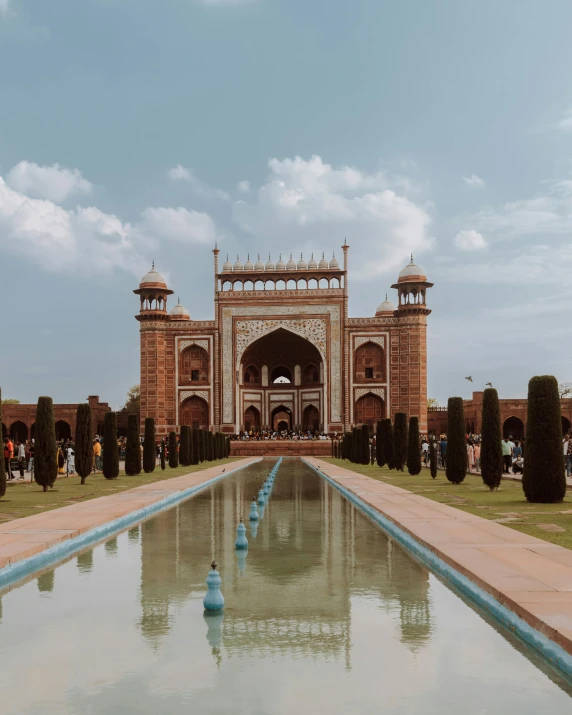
<point x="333" y="451"/>
<point x="456" y="463"/>
<point x="400" y="440"/>
<point x="227" y="445"/>
<point x="544" y="479"/>
<point x="210" y="440"/>
<point x="162" y="454"/>
<point x="110" y="452"/>
<point x="364" y="444"/>
<point x="83" y="447"/>
<point x="356" y="441"/>
<point x="2" y="470"/>
<point x="132" y="447"/>
<point x="45" y="449"/>
<point x="380" y="457"/>
<point x="200" y="443"/>
<point x="433" y="458"/>
<point x="195" y="441"/>
<point x="149" y="451"/>
<point x="387" y="441"/>
<point x="185" y="446"/>
<point x="173" y="453"/>
<point x="413" y="447"/>
<point x="491" y="440"/>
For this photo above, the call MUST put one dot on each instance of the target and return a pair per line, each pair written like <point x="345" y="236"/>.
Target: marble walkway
<point x="531" y="577"/>
<point x="22" y="538"/>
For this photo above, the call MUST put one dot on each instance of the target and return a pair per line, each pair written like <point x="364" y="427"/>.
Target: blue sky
<point x="133" y="130"/>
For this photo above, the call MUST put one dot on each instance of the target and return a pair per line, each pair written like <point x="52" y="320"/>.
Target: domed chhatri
<point x="238" y="265"/>
<point x="334" y="263"/>
<point x="291" y="265"/>
<point x="241" y="540"/>
<point x="153" y="279"/>
<point x="412" y="271"/>
<point x="323" y="263"/>
<point x="179" y="312"/>
<point x="269" y="264"/>
<point x="280" y="266"/>
<point x="213" y="600"/>
<point x="227" y="266"/>
<point x="248" y="265"/>
<point x="253" y="516"/>
<point x="312" y="265"/>
<point x="385" y="308"/>
<point x="302" y="264"/>
<point x="259" y="266"/>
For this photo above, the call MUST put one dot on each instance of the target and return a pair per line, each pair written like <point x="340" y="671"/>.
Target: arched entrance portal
<point x="565" y="425"/>
<point x="368" y="410"/>
<point x="251" y="418"/>
<point x="311" y="418"/>
<point x="281" y="418"/>
<point x="513" y="427"/>
<point x="19" y="431"/>
<point x="195" y="413"/>
<point x="63" y="430"/>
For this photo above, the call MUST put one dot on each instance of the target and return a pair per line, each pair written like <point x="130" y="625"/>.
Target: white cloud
<point x="243" y="187"/>
<point x="54" y="183"/>
<point x="565" y="124"/>
<point x="179" y="224"/>
<point x="473" y="180"/>
<point x="309" y="204"/>
<point x="470" y="240"/>
<point x="201" y="188"/>
<point x="4" y="6"/>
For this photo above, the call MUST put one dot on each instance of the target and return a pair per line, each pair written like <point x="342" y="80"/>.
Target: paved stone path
<point x="529" y="576"/>
<point x="22" y="538"/>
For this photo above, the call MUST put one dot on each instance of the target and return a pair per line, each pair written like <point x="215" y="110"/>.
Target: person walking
<point x="506" y="455"/>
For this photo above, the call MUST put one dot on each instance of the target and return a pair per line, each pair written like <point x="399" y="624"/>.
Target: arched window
<point x="194" y="366"/>
<point x="369" y="363"/>
<point x="19" y="431"/>
<point x="513" y="427"/>
<point x="311" y="418"/>
<point x="251" y="418"/>
<point x="251" y="376"/>
<point x="368" y="410"/>
<point x="311" y="374"/>
<point x="195" y="413"/>
<point x="281" y="374"/>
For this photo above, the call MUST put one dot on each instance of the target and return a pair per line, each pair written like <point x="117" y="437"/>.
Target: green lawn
<point x="508" y="505"/>
<point x="24" y="499"/>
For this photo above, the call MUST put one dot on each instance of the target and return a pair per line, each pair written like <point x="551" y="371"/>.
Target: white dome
<point x="280" y="266"/>
<point x="312" y="265"/>
<point x="412" y="270"/>
<point x="269" y="264"/>
<point x="153" y="277"/>
<point x="238" y="265"/>
<point x="291" y="265"/>
<point x="248" y="265"/>
<point x="334" y="262"/>
<point x="259" y="266"/>
<point x="179" y="312"/>
<point x="302" y="263"/>
<point x="385" y="307"/>
<point x="323" y="263"/>
<point x="227" y="266"/>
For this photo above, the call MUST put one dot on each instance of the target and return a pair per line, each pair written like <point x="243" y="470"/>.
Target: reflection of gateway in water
<point x="313" y="554"/>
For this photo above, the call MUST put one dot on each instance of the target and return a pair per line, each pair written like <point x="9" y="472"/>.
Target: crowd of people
<point x="271" y="434"/>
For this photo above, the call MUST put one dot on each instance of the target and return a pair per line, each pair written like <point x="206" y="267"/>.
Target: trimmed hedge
<point x="433" y="458"/>
<point x="133" y="447"/>
<point x="173" y="452"/>
<point x="364" y="446"/>
<point x="110" y="449"/>
<point x="195" y="448"/>
<point x="544" y="479"/>
<point x="456" y="463"/>
<point x="149" y="450"/>
<point x="491" y="440"/>
<point x="413" y="447"/>
<point x="387" y="441"/>
<point x="400" y="440"/>
<point x="45" y="448"/>
<point x="163" y="465"/>
<point x="185" y="446"/>
<point x="83" y="446"/>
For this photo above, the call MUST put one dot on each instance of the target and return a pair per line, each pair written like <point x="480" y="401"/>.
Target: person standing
<point x="506" y="455"/>
<point x="70" y="458"/>
<point x="477" y="451"/>
<point x="471" y="456"/>
<point x="569" y="457"/>
<point x="443" y="450"/>
<point x="8" y="454"/>
<point x="21" y="456"/>
<point x="97" y="455"/>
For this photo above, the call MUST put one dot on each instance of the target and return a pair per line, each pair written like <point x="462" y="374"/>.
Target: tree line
<point x="398" y="443"/>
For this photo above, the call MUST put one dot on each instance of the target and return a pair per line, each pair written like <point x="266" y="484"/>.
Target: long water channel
<point x="324" y="614"/>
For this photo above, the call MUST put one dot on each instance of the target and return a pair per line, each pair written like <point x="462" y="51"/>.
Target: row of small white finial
<point x="290" y="265"/>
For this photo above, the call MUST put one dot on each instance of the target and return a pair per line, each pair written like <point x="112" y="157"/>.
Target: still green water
<point x="324" y="615"/>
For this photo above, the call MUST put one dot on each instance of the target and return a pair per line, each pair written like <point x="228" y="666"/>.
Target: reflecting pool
<point x="324" y="614"/>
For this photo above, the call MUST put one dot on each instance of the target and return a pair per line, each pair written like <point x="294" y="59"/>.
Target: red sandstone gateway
<point x="282" y="352"/>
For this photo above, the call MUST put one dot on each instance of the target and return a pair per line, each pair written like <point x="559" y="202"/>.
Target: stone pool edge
<point x="555" y="654"/>
<point x="12" y="573"/>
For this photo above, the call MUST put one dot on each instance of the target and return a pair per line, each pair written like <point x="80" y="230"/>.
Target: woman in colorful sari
<point x="61" y="460"/>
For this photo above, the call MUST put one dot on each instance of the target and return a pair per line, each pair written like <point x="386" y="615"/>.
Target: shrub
<point x="456" y="463"/>
<point x="133" y="447"/>
<point x="491" y="440"/>
<point x="544" y="479"/>
<point x="195" y="446"/>
<point x="110" y="453"/>
<point x="45" y="449"/>
<point x="149" y="451"/>
<point x="413" y="447"/>
<point x="365" y="444"/>
<point x="163" y="454"/>
<point x="210" y="445"/>
<point x="83" y="446"/>
<point x="400" y="440"/>
<point x="380" y="457"/>
<point x="433" y="458"/>
<point x="185" y="446"/>
<point x="173" y="451"/>
<point x="387" y="441"/>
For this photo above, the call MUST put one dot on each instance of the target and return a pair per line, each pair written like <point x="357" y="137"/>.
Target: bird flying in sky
<point x="489" y="384"/>
<point x="470" y="379"/>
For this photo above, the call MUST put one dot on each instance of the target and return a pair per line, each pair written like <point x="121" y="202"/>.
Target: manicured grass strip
<point x="507" y="506"/>
<point x="25" y="499"/>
